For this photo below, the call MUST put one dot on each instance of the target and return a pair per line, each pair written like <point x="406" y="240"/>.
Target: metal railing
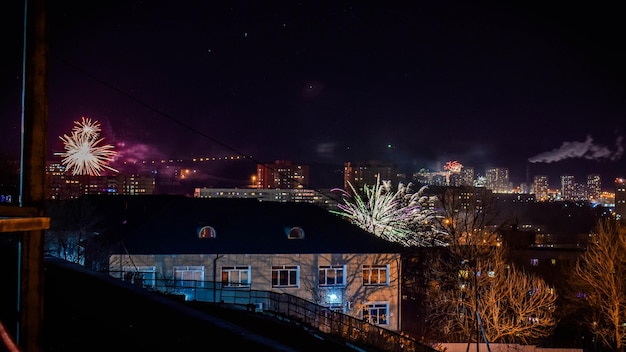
<point x="295" y="309"/>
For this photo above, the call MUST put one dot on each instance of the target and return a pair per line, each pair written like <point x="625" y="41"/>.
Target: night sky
<point x="538" y="89"/>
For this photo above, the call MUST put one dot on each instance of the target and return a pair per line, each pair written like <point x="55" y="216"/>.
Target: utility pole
<point x="32" y="182"/>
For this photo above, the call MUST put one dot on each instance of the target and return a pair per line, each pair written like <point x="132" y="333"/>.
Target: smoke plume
<point x="585" y="150"/>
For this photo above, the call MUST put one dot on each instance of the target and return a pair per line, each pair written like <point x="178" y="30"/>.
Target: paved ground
<point x="86" y="311"/>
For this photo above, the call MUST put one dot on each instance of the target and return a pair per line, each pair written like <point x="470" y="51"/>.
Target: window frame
<point x="375" y="269"/>
<point x="228" y="270"/>
<point x="323" y="271"/>
<point x="290" y="273"/>
<point x="197" y="272"/>
<point x="150" y="270"/>
<point x="381" y="310"/>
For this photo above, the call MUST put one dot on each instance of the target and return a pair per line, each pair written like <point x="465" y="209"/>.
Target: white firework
<point x="84" y="154"/>
<point x="87" y="127"/>
<point x="401" y="217"/>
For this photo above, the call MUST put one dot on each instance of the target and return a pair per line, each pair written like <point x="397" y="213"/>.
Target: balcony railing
<point x="295" y="309"/>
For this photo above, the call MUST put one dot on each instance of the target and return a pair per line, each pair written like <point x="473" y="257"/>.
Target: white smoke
<point x="585" y="150"/>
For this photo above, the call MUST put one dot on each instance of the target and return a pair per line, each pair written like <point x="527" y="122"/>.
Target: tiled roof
<point x="170" y="225"/>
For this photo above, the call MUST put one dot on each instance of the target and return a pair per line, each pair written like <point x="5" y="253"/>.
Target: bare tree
<point x="472" y="291"/>
<point x="487" y="299"/>
<point x="599" y="282"/>
<point x="73" y="223"/>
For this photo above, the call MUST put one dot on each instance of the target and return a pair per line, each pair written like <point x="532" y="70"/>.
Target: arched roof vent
<point x="207" y="232"/>
<point x="295" y="233"/>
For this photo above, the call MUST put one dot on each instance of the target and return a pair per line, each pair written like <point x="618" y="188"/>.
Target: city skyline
<point x="241" y="172"/>
<point x="537" y="90"/>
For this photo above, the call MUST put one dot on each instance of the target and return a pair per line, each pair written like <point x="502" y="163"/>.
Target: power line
<point x="179" y="122"/>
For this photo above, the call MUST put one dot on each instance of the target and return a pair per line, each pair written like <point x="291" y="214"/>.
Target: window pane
<point x="292" y="278"/>
<point x="331" y="277"/>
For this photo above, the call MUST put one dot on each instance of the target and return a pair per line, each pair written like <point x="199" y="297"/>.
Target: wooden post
<point x="32" y="183"/>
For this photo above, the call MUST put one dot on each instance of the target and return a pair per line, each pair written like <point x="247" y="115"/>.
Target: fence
<point x="295" y="309"/>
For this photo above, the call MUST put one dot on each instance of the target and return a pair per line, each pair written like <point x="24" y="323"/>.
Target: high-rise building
<point x="540" y="187"/>
<point x="568" y="187"/>
<point x="62" y="184"/>
<point x="367" y="173"/>
<point x="464" y="177"/>
<point x="594" y="187"/>
<point x="467" y="176"/>
<point x="620" y="199"/>
<point x="282" y="174"/>
<point x="497" y="180"/>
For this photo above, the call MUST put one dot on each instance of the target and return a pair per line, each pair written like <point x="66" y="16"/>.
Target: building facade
<point x="282" y="174"/>
<point x="497" y="179"/>
<point x="370" y="173"/>
<point x="620" y="198"/>
<point x="324" y="198"/>
<point x="541" y="188"/>
<point x="209" y="248"/>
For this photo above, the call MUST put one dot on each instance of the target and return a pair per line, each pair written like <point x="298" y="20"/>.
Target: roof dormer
<point x="207" y="232"/>
<point x="295" y="233"/>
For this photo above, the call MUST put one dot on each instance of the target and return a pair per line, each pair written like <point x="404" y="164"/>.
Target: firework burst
<point x="87" y="127"/>
<point x="85" y="154"/>
<point x="401" y="216"/>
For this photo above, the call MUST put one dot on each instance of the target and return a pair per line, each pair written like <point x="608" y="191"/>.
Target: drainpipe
<point x="400" y="282"/>
<point x="214" y="277"/>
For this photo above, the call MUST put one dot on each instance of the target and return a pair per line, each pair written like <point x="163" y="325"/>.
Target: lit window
<point x="207" y="232"/>
<point x="553" y="261"/>
<point x="376" y="313"/>
<point x="296" y="233"/>
<point x="188" y="276"/>
<point x="236" y="276"/>
<point x="285" y="275"/>
<point x="331" y="275"/>
<point x="534" y="262"/>
<point x="375" y="275"/>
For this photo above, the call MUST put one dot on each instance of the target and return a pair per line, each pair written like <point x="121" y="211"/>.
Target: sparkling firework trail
<point x="397" y="217"/>
<point x="83" y="152"/>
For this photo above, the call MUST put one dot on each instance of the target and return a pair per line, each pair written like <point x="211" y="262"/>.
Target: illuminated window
<point x="534" y="262"/>
<point x="331" y="275"/>
<point x="285" y="275"/>
<point x="236" y="276"/>
<point x="553" y="261"/>
<point x="376" y="313"/>
<point x="143" y="276"/>
<point x="375" y="275"/>
<point x="188" y="276"/>
<point x="207" y="232"/>
<point x="296" y="233"/>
